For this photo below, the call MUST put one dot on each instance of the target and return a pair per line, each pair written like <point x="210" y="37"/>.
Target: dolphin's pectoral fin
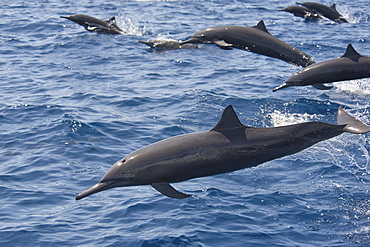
<point x="167" y="190"/>
<point x="223" y="44"/>
<point x="321" y="86"/>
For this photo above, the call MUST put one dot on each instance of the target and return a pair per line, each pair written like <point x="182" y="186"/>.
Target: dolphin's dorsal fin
<point x="351" y="53"/>
<point x="167" y="190"/>
<point x="261" y="26"/>
<point x="228" y="120"/>
<point x="334" y="7"/>
<point x="112" y="20"/>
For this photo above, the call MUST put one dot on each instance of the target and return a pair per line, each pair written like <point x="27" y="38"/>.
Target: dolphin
<point x="227" y="147"/>
<point x="302" y="12"/>
<point x="326" y="11"/>
<point x="92" y="24"/>
<point x="255" y="39"/>
<point x="350" y="66"/>
<point x="167" y="44"/>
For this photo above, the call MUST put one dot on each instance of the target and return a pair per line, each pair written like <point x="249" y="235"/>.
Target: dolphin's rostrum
<point x="227" y="147"/>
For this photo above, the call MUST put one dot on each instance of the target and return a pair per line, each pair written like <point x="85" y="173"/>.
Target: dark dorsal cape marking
<point x="351" y="53"/>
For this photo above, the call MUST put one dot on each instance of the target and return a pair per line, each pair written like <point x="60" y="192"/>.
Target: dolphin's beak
<point x="67" y="17"/>
<point x="147" y="43"/>
<point x="96" y="188"/>
<point x="191" y="40"/>
<point x="74" y="19"/>
<point x="280" y="87"/>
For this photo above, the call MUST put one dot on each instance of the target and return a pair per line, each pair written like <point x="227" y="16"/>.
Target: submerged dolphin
<point x="255" y="39"/>
<point x="227" y="147"/>
<point x="350" y="66"/>
<point x="168" y="44"/>
<point x="329" y="12"/>
<point x="92" y="24"/>
<point x="302" y="12"/>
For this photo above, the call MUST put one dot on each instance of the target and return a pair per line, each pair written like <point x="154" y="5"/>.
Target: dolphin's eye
<point x="119" y="163"/>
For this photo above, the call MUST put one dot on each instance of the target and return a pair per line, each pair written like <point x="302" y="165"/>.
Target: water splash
<point x="278" y="118"/>
<point x="359" y="87"/>
<point x="348" y="151"/>
<point x="130" y="26"/>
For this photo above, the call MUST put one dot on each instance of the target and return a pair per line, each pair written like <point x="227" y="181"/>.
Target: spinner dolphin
<point x="255" y="39"/>
<point x="350" y="66"/>
<point x="93" y="24"/>
<point x="227" y="147"/>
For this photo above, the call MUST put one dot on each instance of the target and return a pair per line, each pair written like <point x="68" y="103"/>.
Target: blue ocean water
<point x="72" y="103"/>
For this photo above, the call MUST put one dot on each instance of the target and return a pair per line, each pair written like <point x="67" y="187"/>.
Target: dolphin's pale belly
<point x="212" y="152"/>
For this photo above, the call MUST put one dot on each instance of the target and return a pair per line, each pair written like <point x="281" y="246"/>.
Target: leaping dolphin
<point x="350" y="66"/>
<point x="329" y="12"/>
<point x="255" y="39"/>
<point x="227" y="147"/>
<point x="92" y="24"/>
<point x="303" y="12"/>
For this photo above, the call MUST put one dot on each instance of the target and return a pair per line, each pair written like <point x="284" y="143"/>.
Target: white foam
<point x="130" y="26"/>
<point x="280" y="119"/>
<point x="359" y="87"/>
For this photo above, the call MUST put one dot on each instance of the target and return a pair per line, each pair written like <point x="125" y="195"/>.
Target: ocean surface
<point x="72" y="103"/>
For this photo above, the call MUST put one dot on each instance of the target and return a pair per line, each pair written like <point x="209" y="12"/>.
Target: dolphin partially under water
<point x="326" y="11"/>
<point x="350" y="66"/>
<point x="227" y="147"/>
<point x="93" y="24"/>
<point x="168" y="44"/>
<point x="255" y="39"/>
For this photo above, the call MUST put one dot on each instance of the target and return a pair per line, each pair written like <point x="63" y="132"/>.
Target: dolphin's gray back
<point x="255" y="39"/>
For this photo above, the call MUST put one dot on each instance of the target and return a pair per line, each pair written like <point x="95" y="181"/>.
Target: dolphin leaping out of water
<point x="303" y="12"/>
<point x="350" y="66"/>
<point x="326" y="11"/>
<point x="92" y="24"/>
<point x="255" y="39"/>
<point x="227" y="147"/>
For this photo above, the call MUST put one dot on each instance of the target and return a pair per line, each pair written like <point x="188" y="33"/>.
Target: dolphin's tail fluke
<point x="352" y="125"/>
